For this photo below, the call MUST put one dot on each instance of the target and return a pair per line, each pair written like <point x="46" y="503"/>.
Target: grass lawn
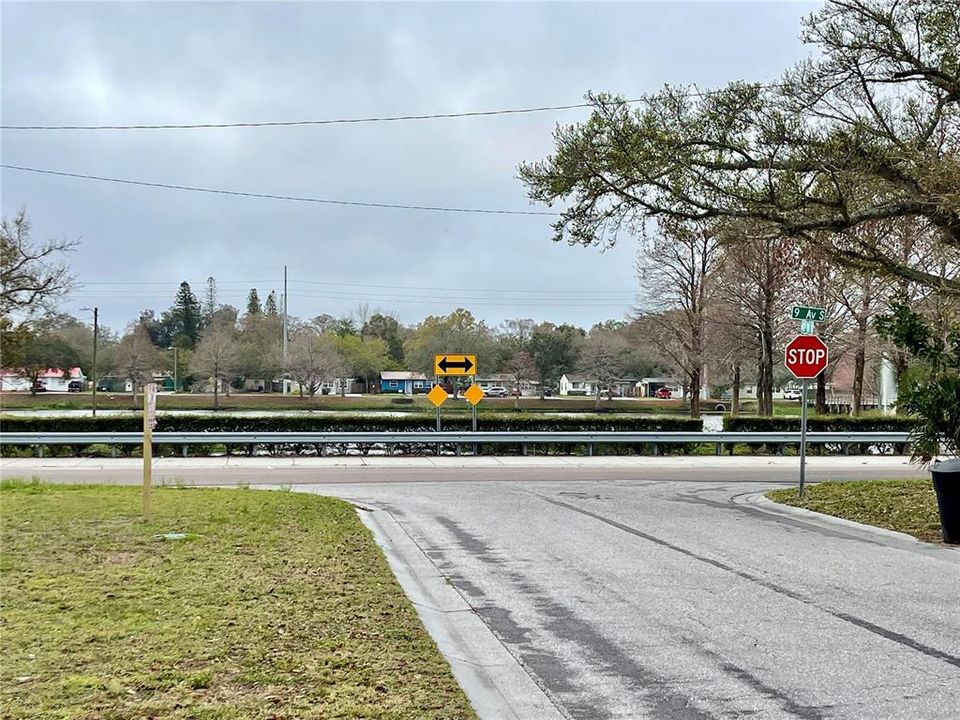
<point x="274" y="401"/>
<point x="908" y="506"/>
<point x="278" y="605"/>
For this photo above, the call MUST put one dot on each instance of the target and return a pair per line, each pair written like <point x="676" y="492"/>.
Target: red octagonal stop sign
<point x="806" y="356"/>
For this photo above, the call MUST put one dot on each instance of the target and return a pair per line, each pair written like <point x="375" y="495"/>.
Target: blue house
<point x="404" y="382"/>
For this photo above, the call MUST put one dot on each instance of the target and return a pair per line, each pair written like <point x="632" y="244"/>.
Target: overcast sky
<point x="173" y="62"/>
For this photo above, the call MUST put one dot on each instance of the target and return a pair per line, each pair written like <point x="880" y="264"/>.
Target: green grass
<point x="278" y="605"/>
<point x="273" y="401"/>
<point x="907" y="506"/>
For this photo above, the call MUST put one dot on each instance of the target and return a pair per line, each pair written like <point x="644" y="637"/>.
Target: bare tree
<point x="678" y="271"/>
<point x="521" y="367"/>
<point x="217" y="357"/>
<point x="601" y="358"/>
<point x="760" y="267"/>
<point x="136" y="357"/>
<point x="31" y="273"/>
<point x="311" y="359"/>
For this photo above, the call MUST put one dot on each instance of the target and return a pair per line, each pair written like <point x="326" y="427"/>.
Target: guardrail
<point x="458" y="440"/>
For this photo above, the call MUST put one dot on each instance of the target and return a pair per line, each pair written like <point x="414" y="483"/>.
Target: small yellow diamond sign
<point x="474" y="394"/>
<point x="437" y="396"/>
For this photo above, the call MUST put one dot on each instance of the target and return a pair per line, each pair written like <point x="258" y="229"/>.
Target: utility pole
<point x="284" y="380"/>
<point x="284" y="313"/>
<point x="96" y="337"/>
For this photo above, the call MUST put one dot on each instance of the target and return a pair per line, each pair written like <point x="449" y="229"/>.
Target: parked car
<point x="75" y="386"/>
<point x="497" y="391"/>
<point x="664" y="393"/>
<point x="792" y="394"/>
<point x="38" y="386"/>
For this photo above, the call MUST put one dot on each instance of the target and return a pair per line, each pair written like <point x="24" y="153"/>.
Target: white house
<point x="648" y="386"/>
<point x="577" y="385"/>
<point x="53" y="379"/>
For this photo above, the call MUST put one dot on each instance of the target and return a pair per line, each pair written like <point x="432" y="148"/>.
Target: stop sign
<point x="806" y="356"/>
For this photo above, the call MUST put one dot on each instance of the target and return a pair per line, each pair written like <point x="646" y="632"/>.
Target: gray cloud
<point x="89" y="63"/>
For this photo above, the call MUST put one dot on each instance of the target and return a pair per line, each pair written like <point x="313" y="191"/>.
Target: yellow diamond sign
<point x="437" y="396"/>
<point x="474" y="394"/>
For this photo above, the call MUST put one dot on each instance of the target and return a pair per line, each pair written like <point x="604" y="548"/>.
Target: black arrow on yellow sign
<point x="447" y="364"/>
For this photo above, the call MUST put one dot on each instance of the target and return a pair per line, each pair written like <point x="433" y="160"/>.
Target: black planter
<point x="946" y="483"/>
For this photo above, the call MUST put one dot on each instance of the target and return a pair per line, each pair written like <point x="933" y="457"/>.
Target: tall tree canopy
<point x="866" y="131"/>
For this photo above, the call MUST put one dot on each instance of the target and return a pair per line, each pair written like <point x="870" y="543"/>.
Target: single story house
<point x="404" y="382"/>
<point x="53" y="379"/>
<point x="647" y="387"/>
<point x="577" y="385"/>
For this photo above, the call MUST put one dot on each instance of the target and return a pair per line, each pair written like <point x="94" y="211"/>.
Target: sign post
<point x="149" y="422"/>
<point x="806" y="356"/>
<point x="473" y="395"/>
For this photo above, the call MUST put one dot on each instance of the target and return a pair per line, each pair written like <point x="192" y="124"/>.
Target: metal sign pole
<point x="803" y="435"/>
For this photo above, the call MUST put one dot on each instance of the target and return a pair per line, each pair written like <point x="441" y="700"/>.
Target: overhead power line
<point x="304" y="123"/>
<point x="356" y="121"/>
<point x="271" y="196"/>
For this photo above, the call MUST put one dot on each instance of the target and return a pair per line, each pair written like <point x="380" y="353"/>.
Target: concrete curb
<point x="893" y="537"/>
<point x="496" y="684"/>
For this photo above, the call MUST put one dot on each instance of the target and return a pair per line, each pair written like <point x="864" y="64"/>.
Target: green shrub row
<point x="820" y="423"/>
<point x="352" y="423"/>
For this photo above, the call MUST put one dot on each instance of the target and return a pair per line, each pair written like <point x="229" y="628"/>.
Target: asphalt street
<point x="654" y="588"/>
<point x="680" y="600"/>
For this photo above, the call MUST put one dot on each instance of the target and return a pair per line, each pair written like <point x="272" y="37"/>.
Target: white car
<point x="497" y="391"/>
<point x="792" y="394"/>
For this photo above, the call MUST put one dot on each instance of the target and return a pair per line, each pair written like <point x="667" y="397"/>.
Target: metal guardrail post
<point x="589" y="449"/>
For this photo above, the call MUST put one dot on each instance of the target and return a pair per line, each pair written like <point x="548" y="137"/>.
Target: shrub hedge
<point x="356" y="423"/>
<point x="824" y="423"/>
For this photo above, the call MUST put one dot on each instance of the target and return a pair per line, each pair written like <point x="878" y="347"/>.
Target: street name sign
<point x="454" y="364"/>
<point x="806" y="356"/>
<point x="802" y="312"/>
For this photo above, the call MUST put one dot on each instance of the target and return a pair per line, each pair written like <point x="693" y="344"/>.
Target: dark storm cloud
<point x="220" y="62"/>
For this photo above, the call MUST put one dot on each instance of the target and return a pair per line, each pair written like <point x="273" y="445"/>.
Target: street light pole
<point x="96" y="337"/>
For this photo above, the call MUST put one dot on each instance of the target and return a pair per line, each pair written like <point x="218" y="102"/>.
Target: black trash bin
<point x="946" y="483"/>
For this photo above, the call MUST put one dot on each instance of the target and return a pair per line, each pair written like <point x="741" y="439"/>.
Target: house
<point x="486" y="382"/>
<point x="648" y="386"/>
<point x="577" y="385"/>
<point x="404" y="382"/>
<point x="53" y="379"/>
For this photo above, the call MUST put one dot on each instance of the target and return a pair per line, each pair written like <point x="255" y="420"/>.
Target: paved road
<point x="675" y="600"/>
<point x="651" y="588"/>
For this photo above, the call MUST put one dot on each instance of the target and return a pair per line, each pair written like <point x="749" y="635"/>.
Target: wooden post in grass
<point x="149" y="422"/>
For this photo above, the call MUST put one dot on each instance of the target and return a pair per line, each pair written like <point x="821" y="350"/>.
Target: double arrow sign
<point x="448" y="364"/>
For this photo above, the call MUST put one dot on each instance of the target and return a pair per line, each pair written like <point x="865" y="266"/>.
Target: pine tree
<point x="270" y="307"/>
<point x="253" y="303"/>
<point x="186" y="316"/>
<point x="210" y="303"/>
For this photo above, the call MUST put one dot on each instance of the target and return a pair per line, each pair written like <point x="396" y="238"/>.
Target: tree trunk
<point x="859" y="361"/>
<point x="821" y="403"/>
<point x="696" y="375"/>
<point x="216" y="393"/>
<point x="735" y="393"/>
<point x="859" y="364"/>
<point x="765" y="372"/>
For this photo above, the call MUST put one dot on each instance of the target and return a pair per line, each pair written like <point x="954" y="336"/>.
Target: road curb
<point x="761" y="502"/>
<point x="496" y="684"/>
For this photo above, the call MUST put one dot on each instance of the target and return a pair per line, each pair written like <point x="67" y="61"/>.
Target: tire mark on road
<point x="883" y="632"/>
<point x="664" y="702"/>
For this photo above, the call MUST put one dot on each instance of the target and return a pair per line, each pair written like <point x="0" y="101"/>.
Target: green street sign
<point x="801" y="312"/>
<point x="807" y="327"/>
